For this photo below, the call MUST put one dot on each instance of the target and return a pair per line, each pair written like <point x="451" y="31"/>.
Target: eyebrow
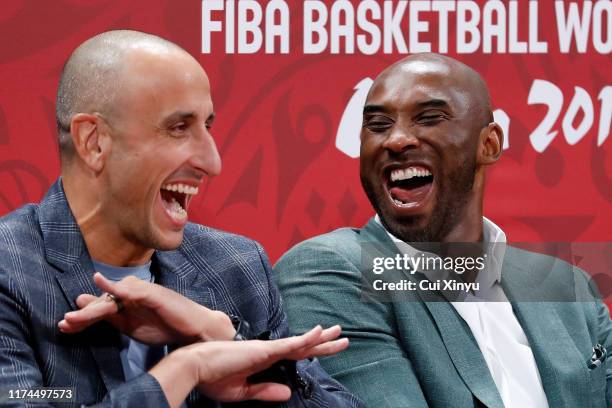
<point x="429" y="103"/>
<point x="177" y="117"/>
<point x="374" y="108"/>
<point x="184" y="116"/>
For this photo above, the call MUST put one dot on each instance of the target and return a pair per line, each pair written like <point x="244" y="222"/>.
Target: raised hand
<point x="148" y="313"/>
<point x="220" y="369"/>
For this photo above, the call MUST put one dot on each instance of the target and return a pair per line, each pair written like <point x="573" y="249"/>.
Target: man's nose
<point x="206" y="157"/>
<point x="401" y="139"/>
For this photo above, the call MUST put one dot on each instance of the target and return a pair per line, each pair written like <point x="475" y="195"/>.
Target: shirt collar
<point x="492" y="235"/>
<point x="116" y="273"/>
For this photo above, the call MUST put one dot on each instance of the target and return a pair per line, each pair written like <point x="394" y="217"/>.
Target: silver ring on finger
<point x="112" y="298"/>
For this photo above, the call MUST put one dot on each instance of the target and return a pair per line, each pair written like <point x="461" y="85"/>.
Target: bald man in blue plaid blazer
<point x="45" y="266"/>
<point x="134" y="115"/>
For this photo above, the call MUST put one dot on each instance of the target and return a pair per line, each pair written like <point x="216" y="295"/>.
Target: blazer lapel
<point x="464" y="352"/>
<point x="173" y="270"/>
<point x="557" y="357"/>
<point x="455" y="333"/>
<point x="66" y="250"/>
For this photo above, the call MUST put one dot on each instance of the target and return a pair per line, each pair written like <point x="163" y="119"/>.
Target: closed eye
<point x="178" y="129"/>
<point x="377" y="123"/>
<point x="431" y="119"/>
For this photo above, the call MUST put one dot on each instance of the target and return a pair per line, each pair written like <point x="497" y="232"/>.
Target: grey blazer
<point x="44" y="266"/>
<point x="416" y="353"/>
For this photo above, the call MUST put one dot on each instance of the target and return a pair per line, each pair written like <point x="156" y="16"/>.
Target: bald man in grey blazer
<point x="538" y="337"/>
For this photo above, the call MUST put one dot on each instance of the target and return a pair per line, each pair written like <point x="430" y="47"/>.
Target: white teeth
<point x="181" y="188"/>
<point x="176" y="210"/>
<point x="408" y="173"/>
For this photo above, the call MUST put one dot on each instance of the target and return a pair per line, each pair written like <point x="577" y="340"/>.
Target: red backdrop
<point x="283" y="177"/>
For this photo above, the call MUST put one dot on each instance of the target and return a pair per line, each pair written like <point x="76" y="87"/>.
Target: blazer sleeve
<point x="320" y="285"/>
<point x="313" y="387"/>
<point x="19" y="368"/>
<point x="142" y="391"/>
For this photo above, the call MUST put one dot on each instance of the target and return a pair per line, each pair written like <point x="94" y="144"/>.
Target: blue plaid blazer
<point x="45" y="265"/>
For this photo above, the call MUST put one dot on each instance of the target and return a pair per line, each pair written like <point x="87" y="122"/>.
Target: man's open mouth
<point x="409" y="186"/>
<point x="176" y="198"/>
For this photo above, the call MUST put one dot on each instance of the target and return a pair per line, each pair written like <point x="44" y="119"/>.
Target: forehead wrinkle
<point x="414" y="80"/>
<point x="411" y="97"/>
<point x="440" y="73"/>
<point x="179" y="116"/>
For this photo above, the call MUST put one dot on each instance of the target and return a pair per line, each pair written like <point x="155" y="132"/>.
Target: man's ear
<point x="491" y="144"/>
<point x="86" y="132"/>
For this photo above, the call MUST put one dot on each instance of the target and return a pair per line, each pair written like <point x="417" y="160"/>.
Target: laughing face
<point x="420" y="144"/>
<point x="161" y="150"/>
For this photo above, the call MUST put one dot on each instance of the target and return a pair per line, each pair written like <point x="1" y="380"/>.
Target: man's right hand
<point x="220" y="369"/>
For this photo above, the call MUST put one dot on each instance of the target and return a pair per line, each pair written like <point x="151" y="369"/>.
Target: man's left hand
<point x="148" y="313"/>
